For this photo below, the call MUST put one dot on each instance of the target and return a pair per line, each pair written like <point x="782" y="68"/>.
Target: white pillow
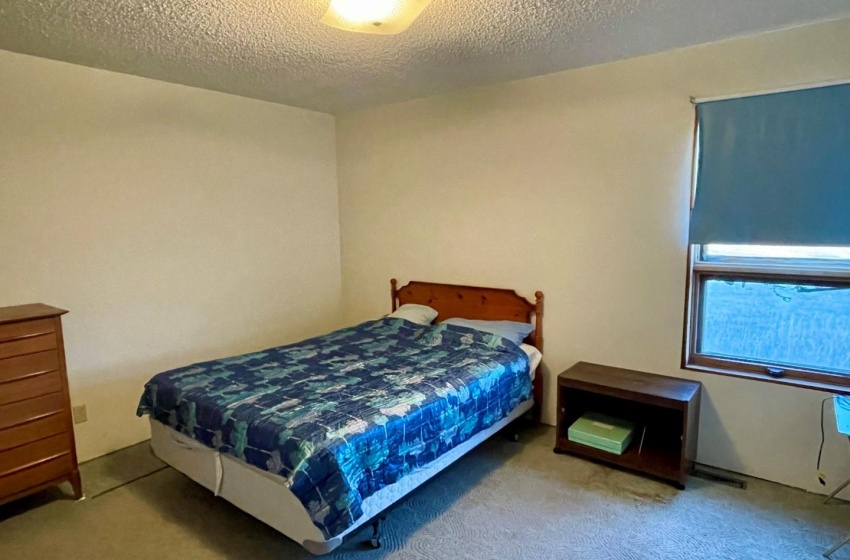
<point x="420" y="314"/>
<point x="534" y="358"/>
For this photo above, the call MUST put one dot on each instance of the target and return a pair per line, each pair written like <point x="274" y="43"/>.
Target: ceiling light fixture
<point x="382" y="17"/>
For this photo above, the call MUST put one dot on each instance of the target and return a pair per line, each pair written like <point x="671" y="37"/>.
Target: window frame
<point x="765" y="269"/>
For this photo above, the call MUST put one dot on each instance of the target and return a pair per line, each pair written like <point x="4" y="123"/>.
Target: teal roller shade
<point x="774" y="169"/>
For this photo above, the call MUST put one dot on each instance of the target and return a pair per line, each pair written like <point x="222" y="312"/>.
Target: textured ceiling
<point x="277" y="50"/>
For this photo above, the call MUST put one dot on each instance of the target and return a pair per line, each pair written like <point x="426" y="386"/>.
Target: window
<point x="769" y="240"/>
<point x="768" y="310"/>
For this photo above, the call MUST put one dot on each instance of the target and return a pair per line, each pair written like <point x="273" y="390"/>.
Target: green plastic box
<point x="602" y="432"/>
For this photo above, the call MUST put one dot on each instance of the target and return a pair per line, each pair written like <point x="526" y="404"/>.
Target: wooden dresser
<point x="36" y="429"/>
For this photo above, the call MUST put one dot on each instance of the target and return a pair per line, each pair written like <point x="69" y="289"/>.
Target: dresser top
<point x="27" y="312"/>
<point x="628" y="381"/>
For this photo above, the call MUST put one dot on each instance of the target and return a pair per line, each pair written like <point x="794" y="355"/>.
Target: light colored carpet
<point x="504" y="500"/>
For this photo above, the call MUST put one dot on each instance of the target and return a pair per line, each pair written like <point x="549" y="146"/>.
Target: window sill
<point x="788" y="381"/>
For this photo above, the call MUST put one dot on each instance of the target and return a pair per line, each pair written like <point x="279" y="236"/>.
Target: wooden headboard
<point x="471" y="302"/>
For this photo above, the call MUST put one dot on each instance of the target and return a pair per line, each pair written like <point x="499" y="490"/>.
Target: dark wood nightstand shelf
<point x="668" y="408"/>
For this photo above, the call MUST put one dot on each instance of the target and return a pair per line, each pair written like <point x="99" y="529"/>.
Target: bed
<point x="318" y="438"/>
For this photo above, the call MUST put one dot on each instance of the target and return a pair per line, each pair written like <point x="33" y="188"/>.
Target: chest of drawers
<point x="36" y="430"/>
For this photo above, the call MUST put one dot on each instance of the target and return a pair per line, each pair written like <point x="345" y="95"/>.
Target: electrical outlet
<point x="80" y="414"/>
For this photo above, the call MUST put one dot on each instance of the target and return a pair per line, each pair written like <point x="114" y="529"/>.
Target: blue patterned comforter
<point x="343" y="415"/>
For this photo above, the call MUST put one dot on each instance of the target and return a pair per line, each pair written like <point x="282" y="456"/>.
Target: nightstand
<point x="665" y="411"/>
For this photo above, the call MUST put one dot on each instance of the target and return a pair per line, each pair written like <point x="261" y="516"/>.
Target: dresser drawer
<point x="28" y="365"/>
<point x="33" y="409"/>
<point x="28" y="345"/>
<point x="30" y="387"/>
<point x="32" y="454"/>
<point x="33" y="431"/>
<point x="27" y="329"/>
<point x="17" y="483"/>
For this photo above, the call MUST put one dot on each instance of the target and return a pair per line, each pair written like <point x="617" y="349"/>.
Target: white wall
<point x="577" y="184"/>
<point x="175" y="224"/>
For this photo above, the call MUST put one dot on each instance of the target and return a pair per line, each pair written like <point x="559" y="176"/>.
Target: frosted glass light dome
<point x="382" y="17"/>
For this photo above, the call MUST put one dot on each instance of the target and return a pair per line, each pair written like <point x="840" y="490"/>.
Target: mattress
<point x="268" y="498"/>
<point x="339" y="418"/>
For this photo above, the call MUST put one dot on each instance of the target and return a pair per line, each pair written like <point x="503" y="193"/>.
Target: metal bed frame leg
<point x="375" y="541"/>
